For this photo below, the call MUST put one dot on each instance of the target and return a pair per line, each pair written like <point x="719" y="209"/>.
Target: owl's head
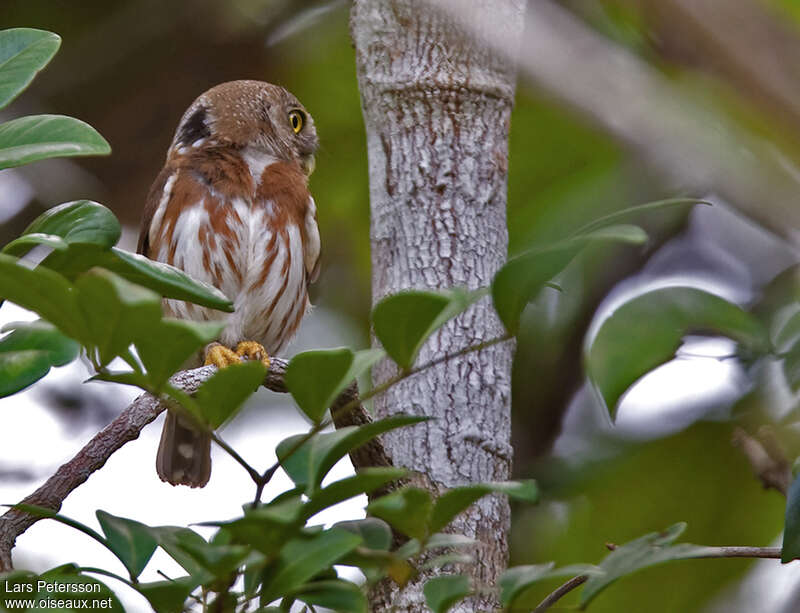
<point x="250" y="114"/>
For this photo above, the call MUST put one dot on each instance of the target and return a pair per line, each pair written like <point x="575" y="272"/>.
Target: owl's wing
<point x="311" y="242"/>
<point x="154" y="197"/>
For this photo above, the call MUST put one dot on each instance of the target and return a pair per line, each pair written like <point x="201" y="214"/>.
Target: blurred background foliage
<point x="130" y="68"/>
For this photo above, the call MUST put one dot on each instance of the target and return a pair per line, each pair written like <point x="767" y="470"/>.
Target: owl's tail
<point x="184" y="453"/>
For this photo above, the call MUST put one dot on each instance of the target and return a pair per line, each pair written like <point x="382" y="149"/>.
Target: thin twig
<point x="560" y="591"/>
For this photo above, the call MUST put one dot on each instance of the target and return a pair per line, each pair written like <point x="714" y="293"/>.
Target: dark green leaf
<point x="316" y="378"/>
<point x="268" y="527"/>
<point x="404" y="321"/>
<point x="791" y="528"/>
<point x="367" y="480"/>
<point x="648" y="550"/>
<point x="309" y="463"/>
<point x="173" y="540"/>
<point x="26" y="242"/>
<point x="221" y="395"/>
<point x="304" y="558"/>
<point x="524" y="276"/>
<point x="117" y="312"/>
<point x="38" y="137"/>
<point x="335" y="594"/>
<point x="517" y="579"/>
<point x="408" y="510"/>
<point x="171" y="343"/>
<point x="131" y="541"/>
<point x="82" y="222"/>
<point x="45" y="292"/>
<point x="167" y="596"/>
<point x="23" y="53"/>
<point x="19" y="369"/>
<point x="646" y="331"/>
<point x="375" y="533"/>
<point x="441" y="593"/>
<point x="458" y="499"/>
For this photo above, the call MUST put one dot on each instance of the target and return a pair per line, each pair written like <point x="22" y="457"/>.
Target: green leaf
<point x="404" y="321"/>
<point x="23" y="244"/>
<point x="316" y="378"/>
<point x="791" y="528"/>
<point x="646" y="331"/>
<point x="219" y="560"/>
<point x="616" y="216"/>
<point x="173" y="540"/>
<point x="268" y="527"/>
<point x="375" y="533"/>
<point x="334" y="594"/>
<point x="221" y="395"/>
<point x="408" y="510"/>
<point x="28" y="353"/>
<point x="365" y="481"/>
<point x="81" y="222"/>
<point x="458" y="499"/>
<point x="38" y="137"/>
<point x="308" y="464"/>
<point x="648" y="550"/>
<point x="23" y="53"/>
<point x="45" y="513"/>
<point x="791" y="366"/>
<point x="524" y="276"/>
<point x="167" y="280"/>
<point x="789" y="332"/>
<point x="441" y="593"/>
<point x="43" y="291"/>
<point x="131" y="541"/>
<point x="167" y="596"/>
<point x="517" y="579"/>
<point x="171" y="343"/>
<point x="117" y="312"/>
<point x="303" y="558"/>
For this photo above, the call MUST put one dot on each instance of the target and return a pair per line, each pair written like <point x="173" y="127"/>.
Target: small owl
<point x="231" y="207"/>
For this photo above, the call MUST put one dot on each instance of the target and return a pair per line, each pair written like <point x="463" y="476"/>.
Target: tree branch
<point x="127" y="426"/>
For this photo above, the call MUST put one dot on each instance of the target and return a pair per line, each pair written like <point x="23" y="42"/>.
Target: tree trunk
<point x="437" y="109"/>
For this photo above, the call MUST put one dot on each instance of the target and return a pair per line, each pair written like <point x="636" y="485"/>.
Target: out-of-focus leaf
<point x="404" y="321"/>
<point x="441" y="593"/>
<point x="23" y="53"/>
<point x="167" y="596"/>
<point x="408" y="510"/>
<point x="791" y="527"/>
<point x="648" y="550"/>
<point x="514" y="581"/>
<point x="131" y="541"/>
<point x="82" y="222"/>
<point x="616" y="216"/>
<point x="316" y="378"/>
<point x="524" y="276"/>
<point x="789" y="332"/>
<point x="375" y="533"/>
<point x="303" y="558"/>
<point x="38" y="137"/>
<point x="171" y="343"/>
<point x="45" y="292"/>
<point x="267" y="527"/>
<point x="220" y="396"/>
<point x="791" y="366"/>
<point x="28" y="353"/>
<point x="116" y="312"/>
<point x="310" y="462"/>
<point x="334" y="594"/>
<point x="458" y="499"/>
<point x="647" y="330"/>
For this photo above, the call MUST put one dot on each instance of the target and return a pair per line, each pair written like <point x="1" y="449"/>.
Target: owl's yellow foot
<point x="220" y="356"/>
<point x="251" y="350"/>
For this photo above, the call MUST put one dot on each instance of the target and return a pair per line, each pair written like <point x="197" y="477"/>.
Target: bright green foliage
<point x="404" y="321"/>
<point x="647" y="330"/>
<point x="441" y="593"/>
<point x="523" y="277"/>
<point x="316" y="378"/>
<point x="28" y="353"/>
<point x="220" y="396"/>
<point x="23" y="53"/>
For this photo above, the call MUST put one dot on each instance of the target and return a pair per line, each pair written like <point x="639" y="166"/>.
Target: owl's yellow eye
<point x="297" y="119"/>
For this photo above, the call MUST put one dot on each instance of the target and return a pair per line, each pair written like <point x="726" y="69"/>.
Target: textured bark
<point x="437" y="107"/>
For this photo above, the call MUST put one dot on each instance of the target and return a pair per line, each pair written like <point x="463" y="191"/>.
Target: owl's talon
<point x="221" y="356"/>
<point x="251" y="350"/>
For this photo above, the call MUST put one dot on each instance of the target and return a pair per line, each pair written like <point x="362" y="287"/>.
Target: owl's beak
<point x="307" y="163"/>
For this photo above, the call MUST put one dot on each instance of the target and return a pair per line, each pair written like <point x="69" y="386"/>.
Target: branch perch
<point x="127" y="426"/>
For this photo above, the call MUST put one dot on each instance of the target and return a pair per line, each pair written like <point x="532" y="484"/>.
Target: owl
<point x="231" y="207"/>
